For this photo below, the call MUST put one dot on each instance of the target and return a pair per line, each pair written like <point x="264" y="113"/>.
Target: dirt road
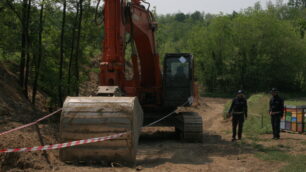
<point x="161" y="151"/>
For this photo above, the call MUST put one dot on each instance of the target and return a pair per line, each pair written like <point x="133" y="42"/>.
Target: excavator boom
<point x="104" y="115"/>
<point x="121" y="104"/>
<point x="121" y="19"/>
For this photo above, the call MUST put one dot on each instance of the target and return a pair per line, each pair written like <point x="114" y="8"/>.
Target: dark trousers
<point x="275" y="121"/>
<point x="237" y="120"/>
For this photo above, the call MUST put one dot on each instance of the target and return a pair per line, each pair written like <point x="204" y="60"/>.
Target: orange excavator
<point x="123" y="104"/>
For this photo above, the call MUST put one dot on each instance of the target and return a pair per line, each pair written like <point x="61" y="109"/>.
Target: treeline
<point x="52" y="43"/>
<point x="254" y="49"/>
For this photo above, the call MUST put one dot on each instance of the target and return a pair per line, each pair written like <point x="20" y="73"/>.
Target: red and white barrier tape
<point x="63" y="145"/>
<point x="32" y="123"/>
<point x="68" y="144"/>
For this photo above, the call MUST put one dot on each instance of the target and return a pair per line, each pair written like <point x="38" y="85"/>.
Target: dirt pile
<point x="13" y="104"/>
<point x="16" y="110"/>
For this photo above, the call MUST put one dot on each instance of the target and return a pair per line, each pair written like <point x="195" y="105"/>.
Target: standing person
<point x="239" y="112"/>
<point x="276" y="112"/>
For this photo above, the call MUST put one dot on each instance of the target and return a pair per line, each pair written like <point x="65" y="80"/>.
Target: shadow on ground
<point x="162" y="147"/>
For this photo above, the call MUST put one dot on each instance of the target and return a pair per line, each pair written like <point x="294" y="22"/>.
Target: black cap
<point x="240" y="92"/>
<point x="274" y="90"/>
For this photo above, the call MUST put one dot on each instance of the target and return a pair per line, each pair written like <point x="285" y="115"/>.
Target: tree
<point x="77" y="74"/>
<point x="38" y="62"/>
<point x="180" y="17"/>
<point x="197" y="16"/>
<point x="28" y="49"/>
<point x="72" y="49"/>
<point x="60" y="91"/>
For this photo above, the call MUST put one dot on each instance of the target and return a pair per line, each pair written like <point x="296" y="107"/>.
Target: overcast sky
<point x="207" y="6"/>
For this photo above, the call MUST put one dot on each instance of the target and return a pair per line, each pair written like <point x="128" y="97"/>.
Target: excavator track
<point x="90" y="117"/>
<point x="189" y="126"/>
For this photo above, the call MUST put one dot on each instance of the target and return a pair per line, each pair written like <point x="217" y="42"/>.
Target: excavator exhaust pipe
<point x="90" y="117"/>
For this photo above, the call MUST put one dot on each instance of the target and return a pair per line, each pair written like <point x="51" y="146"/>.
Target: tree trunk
<point x="72" y="49"/>
<point x="37" y="66"/>
<point x="23" y="43"/>
<point x="77" y="75"/>
<point x="28" y="47"/>
<point x="60" y="92"/>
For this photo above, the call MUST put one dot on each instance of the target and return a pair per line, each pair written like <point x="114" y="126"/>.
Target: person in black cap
<point x="276" y="112"/>
<point x="239" y="112"/>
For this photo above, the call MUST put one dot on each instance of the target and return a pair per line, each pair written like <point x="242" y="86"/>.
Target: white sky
<point x="207" y="6"/>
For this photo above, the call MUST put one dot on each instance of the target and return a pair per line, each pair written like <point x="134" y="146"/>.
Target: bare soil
<point x="159" y="150"/>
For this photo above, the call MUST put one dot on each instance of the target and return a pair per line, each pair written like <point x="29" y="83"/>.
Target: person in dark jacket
<point x="239" y="112"/>
<point x="276" y="112"/>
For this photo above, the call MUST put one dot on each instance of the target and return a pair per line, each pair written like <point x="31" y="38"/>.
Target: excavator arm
<point x="113" y="111"/>
<point x="118" y="106"/>
<point x="121" y="19"/>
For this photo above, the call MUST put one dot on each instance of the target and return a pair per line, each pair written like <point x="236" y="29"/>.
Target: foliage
<point x="90" y="42"/>
<point x="254" y="49"/>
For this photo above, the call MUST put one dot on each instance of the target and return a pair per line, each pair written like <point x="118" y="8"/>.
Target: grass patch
<point x="296" y="163"/>
<point x="258" y="123"/>
<point x="226" y="108"/>
<point x="274" y="156"/>
<point x="297" y="102"/>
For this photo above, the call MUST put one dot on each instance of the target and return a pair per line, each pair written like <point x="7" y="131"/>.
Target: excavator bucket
<point x="91" y="117"/>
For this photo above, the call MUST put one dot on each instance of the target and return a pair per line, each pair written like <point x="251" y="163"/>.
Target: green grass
<point x="295" y="163"/>
<point x="258" y="123"/>
<point x="226" y="108"/>
<point x="296" y="102"/>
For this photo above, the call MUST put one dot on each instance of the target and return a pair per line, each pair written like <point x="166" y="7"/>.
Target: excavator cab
<point x="178" y="87"/>
<point x="178" y="79"/>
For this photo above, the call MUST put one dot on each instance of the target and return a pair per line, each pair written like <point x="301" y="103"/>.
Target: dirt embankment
<point x="16" y="110"/>
<point x="13" y="104"/>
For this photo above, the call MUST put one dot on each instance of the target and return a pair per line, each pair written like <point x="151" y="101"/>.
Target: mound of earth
<point x="14" y="106"/>
<point x="16" y="110"/>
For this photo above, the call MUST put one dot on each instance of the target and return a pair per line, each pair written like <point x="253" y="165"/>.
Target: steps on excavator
<point x="189" y="126"/>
